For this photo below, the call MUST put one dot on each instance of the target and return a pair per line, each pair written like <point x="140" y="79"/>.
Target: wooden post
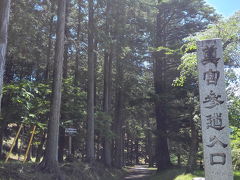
<point x="14" y="141"/>
<point x="29" y="144"/>
<point x="214" y="115"/>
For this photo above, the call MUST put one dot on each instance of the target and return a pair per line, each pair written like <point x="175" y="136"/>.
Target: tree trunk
<point x="131" y="152"/>
<point x="119" y="8"/>
<point x="95" y="71"/>
<point x="149" y="148"/>
<point x="50" y="44"/>
<point x="107" y="92"/>
<point x="137" y="151"/>
<point x="90" y="97"/>
<point x="65" y="74"/>
<point x="50" y="161"/>
<point x="119" y="116"/>
<point x="127" y="149"/>
<point x="77" y="64"/>
<point x="192" y="159"/>
<point x="61" y="144"/>
<point x="107" y="140"/>
<point x="162" y="151"/>
<point x="67" y="43"/>
<point x="4" y="21"/>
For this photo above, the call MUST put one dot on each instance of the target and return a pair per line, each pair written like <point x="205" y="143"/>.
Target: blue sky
<point x="225" y="7"/>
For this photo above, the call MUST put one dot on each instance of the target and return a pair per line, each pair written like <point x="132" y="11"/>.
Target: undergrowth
<point x="69" y="171"/>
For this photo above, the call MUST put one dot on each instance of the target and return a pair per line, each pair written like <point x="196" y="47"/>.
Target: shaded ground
<point x="68" y="171"/>
<point x="139" y="173"/>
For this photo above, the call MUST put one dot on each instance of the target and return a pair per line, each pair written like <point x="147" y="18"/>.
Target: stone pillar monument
<point x="214" y="114"/>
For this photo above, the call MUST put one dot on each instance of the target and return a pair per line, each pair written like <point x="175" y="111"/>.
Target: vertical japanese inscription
<point x="211" y="77"/>
<point x="214" y="115"/>
<point x="210" y="55"/>
<point x="215" y="121"/>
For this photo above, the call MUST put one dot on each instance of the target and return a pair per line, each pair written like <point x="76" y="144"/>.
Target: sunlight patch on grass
<point x="168" y="174"/>
<point x="152" y="169"/>
<point x="236" y="175"/>
<point x="178" y="174"/>
<point x="185" y="177"/>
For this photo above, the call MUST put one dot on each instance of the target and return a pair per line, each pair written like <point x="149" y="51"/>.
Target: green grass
<point x="237" y="175"/>
<point x="178" y="174"/>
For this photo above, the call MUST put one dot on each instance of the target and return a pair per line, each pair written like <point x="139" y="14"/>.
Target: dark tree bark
<point x="192" y="159"/>
<point x="162" y="151"/>
<point x="50" y="161"/>
<point x="149" y="147"/>
<point x="107" y="92"/>
<point x="118" y="120"/>
<point x="65" y="76"/>
<point x="61" y="144"/>
<point x="107" y="140"/>
<point x="127" y="148"/>
<point x="67" y="43"/>
<point x="137" y="151"/>
<point x="95" y="47"/>
<point x="119" y="9"/>
<point x="50" y="43"/>
<point x="131" y="152"/>
<point x="77" y="58"/>
<point x="4" y="21"/>
<point x="90" y="102"/>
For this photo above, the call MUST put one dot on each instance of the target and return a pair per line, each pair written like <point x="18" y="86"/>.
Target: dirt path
<point x="139" y="173"/>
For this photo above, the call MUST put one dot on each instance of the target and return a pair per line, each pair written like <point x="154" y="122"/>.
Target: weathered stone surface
<point x="214" y="115"/>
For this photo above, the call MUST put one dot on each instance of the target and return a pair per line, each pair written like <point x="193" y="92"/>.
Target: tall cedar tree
<point x="90" y="101"/>
<point x="120" y="20"/>
<point x="50" y="161"/>
<point x="50" y="42"/>
<point x="4" y="20"/>
<point x="77" y="58"/>
<point x="163" y="157"/>
<point x="107" y="91"/>
<point x="65" y="76"/>
<point x="175" y="21"/>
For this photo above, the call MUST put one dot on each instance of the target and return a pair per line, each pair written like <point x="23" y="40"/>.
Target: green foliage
<point x="103" y="120"/>
<point x="235" y="144"/>
<point x="73" y="104"/>
<point x="188" y="69"/>
<point x="28" y="32"/>
<point x="234" y="111"/>
<point x="228" y="30"/>
<point x="166" y="50"/>
<point x="28" y="102"/>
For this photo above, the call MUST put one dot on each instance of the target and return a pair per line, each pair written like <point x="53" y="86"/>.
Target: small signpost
<point x="214" y="114"/>
<point x="70" y="132"/>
